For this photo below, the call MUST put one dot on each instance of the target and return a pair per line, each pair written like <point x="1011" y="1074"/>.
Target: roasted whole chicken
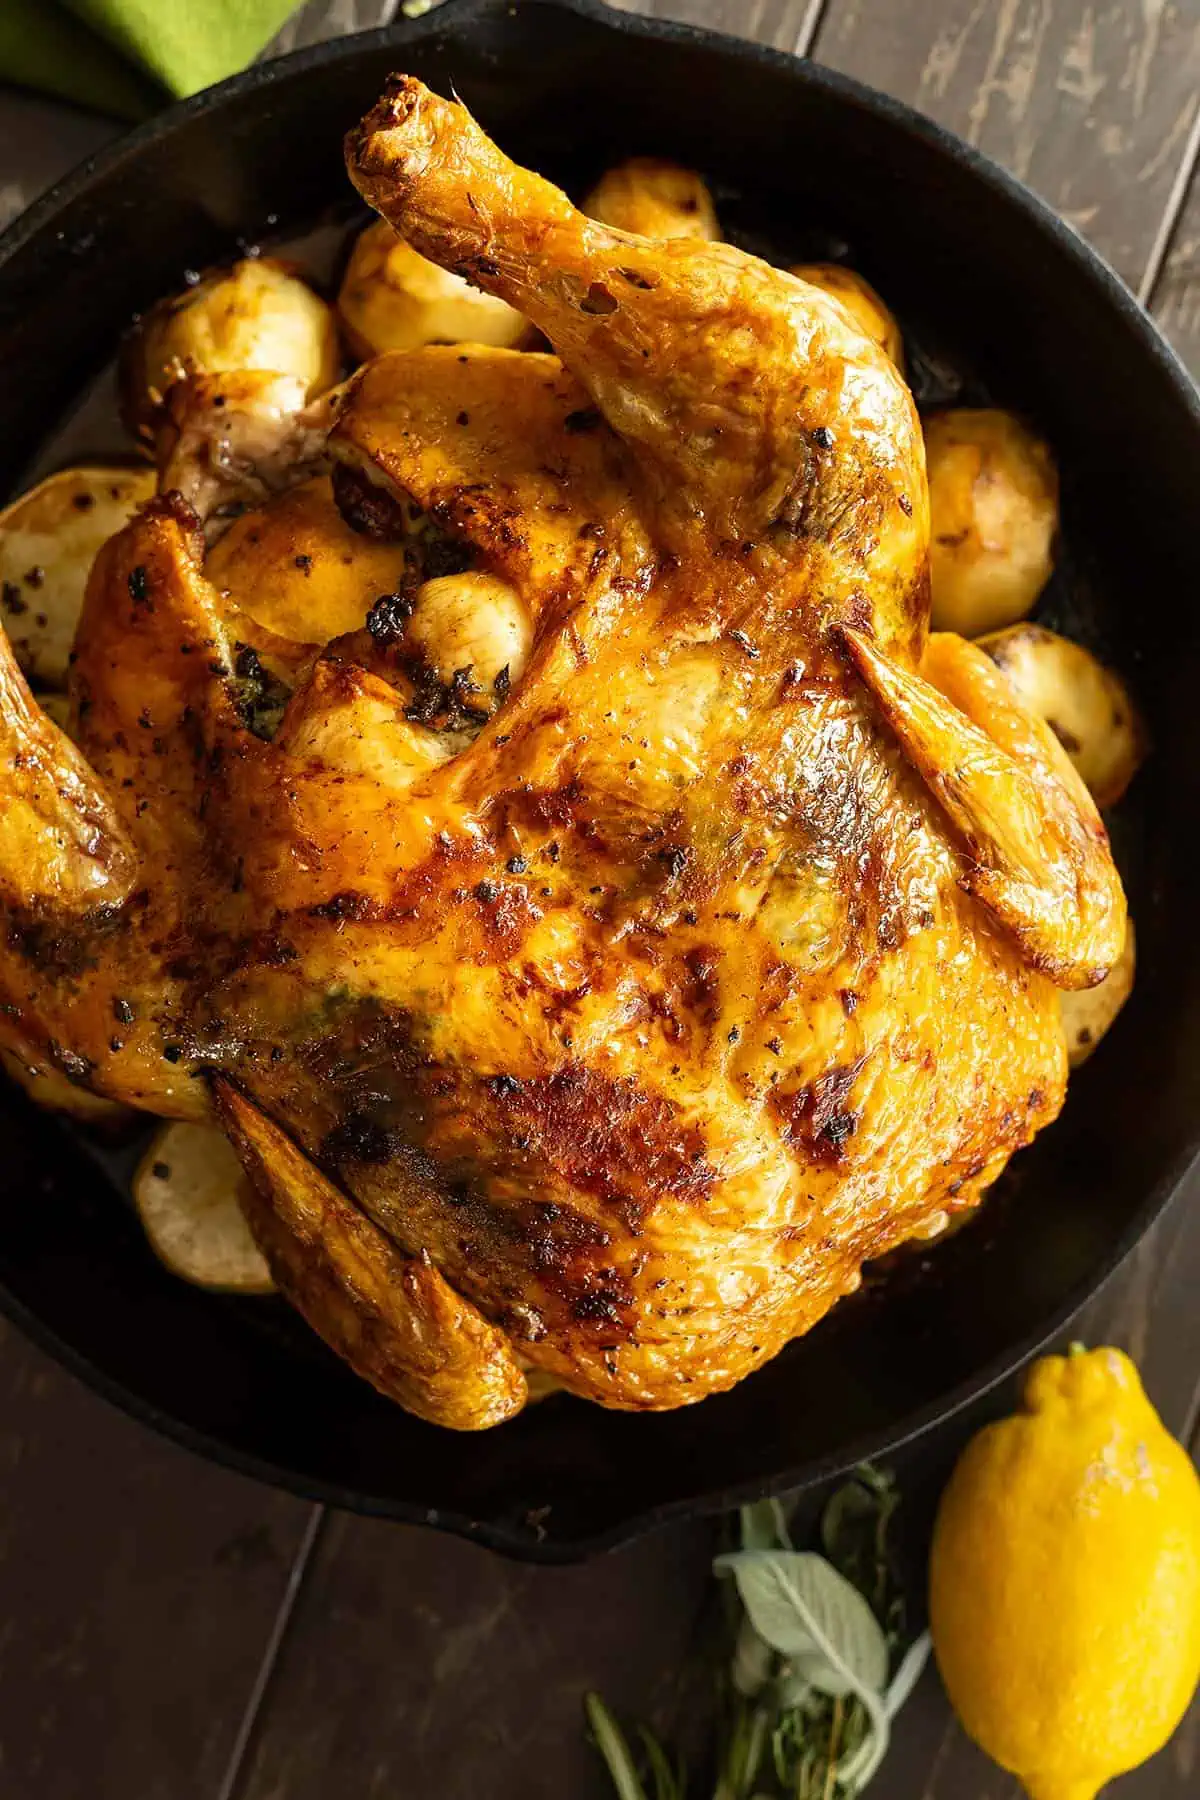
<point x="620" y="920"/>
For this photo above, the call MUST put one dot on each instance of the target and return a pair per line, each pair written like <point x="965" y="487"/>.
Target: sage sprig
<point x="819" y="1666"/>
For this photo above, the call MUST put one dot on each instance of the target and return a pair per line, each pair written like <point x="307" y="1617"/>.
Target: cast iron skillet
<point x="988" y="279"/>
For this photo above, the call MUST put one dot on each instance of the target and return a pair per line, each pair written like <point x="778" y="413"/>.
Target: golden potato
<point x="393" y="299"/>
<point x="476" y="622"/>
<point x="255" y="315"/>
<point x="860" y="301"/>
<point x="993" y="496"/>
<point x="654" y="198"/>
<point x="48" y="542"/>
<point x="187" y="1191"/>
<point x="297" y="569"/>
<point x="1087" y="707"/>
<point x="1087" y="1013"/>
<point x="348" y="719"/>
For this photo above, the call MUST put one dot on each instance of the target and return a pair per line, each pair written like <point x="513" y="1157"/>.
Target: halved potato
<point x="298" y="570"/>
<point x="1087" y="1013"/>
<point x="1087" y="707"/>
<point x="860" y="301"/>
<point x="392" y="298"/>
<point x="654" y="198"/>
<point x="48" y="542"/>
<point x="187" y="1191"/>
<point x="993" y="499"/>
<point x="255" y="315"/>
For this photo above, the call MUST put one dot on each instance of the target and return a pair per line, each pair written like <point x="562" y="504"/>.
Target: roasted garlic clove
<point x="475" y="627"/>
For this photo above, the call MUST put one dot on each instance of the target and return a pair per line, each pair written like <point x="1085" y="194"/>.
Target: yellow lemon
<point x="1064" y="1592"/>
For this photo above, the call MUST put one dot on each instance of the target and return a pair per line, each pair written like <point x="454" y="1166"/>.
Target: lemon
<point x="1064" y="1591"/>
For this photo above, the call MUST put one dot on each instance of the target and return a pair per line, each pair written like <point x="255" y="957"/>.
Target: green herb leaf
<point x="765" y="1526"/>
<point x="905" y="1679"/>
<point x="610" y="1741"/>
<point x="802" y="1607"/>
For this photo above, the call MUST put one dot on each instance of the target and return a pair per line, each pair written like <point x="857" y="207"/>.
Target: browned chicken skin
<point x="625" y="1018"/>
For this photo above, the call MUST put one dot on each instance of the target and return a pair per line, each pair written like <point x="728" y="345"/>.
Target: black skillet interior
<point x="984" y="280"/>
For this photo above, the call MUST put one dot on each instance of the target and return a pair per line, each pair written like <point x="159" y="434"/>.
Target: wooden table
<point x="172" y="1632"/>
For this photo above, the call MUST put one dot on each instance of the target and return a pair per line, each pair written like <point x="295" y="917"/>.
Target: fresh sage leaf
<point x="908" y="1674"/>
<point x="802" y="1607"/>
<point x="669" y="1783"/>
<point x="610" y="1741"/>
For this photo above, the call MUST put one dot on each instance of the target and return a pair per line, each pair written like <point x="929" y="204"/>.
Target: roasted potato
<point x="187" y="1191"/>
<point x="1087" y="707"/>
<point x="860" y="301"/>
<point x="657" y="199"/>
<point x="297" y="569"/>
<point x="475" y="622"/>
<point x="255" y="315"/>
<point x="48" y="541"/>
<point x="393" y="299"/>
<point x="1087" y="1013"/>
<point x="993" y="495"/>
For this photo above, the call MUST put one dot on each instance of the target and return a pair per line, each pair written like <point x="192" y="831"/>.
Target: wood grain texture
<point x="39" y="141"/>
<point x="1175" y="300"/>
<point x="784" y="24"/>
<point x="322" y="19"/>
<point x="420" y="1668"/>
<point x="138" y="1587"/>
<point x="1092" y="104"/>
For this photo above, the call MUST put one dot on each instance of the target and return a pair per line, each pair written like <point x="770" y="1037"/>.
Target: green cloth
<point x="100" y="52"/>
<point x="43" y="47"/>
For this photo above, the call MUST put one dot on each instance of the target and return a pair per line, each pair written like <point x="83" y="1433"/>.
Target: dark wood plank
<point x="1091" y="104"/>
<point x="785" y="24"/>
<point x="420" y="1667"/>
<point x="1175" y="300"/>
<point x="39" y="141"/>
<point x="138" y="1588"/>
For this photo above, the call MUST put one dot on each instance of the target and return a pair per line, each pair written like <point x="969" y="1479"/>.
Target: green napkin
<point x="45" y="48"/>
<point x="75" y="49"/>
<point x="187" y="44"/>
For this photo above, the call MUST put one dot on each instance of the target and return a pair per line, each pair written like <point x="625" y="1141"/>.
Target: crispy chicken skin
<point x="609" y="1038"/>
